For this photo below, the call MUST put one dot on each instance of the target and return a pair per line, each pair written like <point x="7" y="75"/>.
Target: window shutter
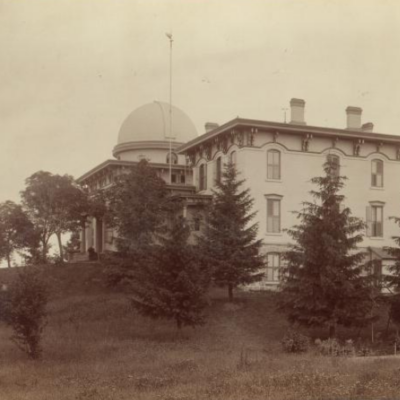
<point x="369" y="221"/>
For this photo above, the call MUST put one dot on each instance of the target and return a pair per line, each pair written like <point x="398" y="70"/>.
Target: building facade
<point x="152" y="132"/>
<point x="278" y="161"/>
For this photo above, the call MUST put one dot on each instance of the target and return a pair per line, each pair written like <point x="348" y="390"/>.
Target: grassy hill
<point x="97" y="347"/>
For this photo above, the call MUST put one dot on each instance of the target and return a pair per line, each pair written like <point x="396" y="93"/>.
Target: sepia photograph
<point x="200" y="200"/>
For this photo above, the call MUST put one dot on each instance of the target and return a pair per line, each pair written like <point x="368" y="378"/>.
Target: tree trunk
<point x="8" y="260"/>
<point x="230" y="292"/>
<point x="58" y="234"/>
<point x="44" y="250"/>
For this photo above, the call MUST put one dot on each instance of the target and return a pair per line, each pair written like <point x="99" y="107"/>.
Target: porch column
<point x="94" y="227"/>
<point x="83" y="238"/>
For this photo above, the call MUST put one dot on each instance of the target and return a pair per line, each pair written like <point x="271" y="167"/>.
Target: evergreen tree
<point x="171" y="282"/>
<point x="323" y="283"/>
<point x="229" y="241"/>
<point x="392" y="281"/>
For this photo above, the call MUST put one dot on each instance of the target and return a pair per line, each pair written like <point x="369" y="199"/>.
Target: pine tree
<point x="229" y="241"/>
<point x="172" y="282"/>
<point x="323" y="283"/>
<point x="393" y="280"/>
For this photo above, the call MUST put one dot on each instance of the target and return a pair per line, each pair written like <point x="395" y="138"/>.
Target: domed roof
<point x="151" y="122"/>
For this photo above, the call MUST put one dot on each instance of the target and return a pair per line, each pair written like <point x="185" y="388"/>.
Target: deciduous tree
<point x="139" y="205"/>
<point x="16" y="230"/>
<point x="55" y="205"/>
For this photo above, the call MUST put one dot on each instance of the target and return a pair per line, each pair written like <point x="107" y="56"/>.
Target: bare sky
<point x="72" y="70"/>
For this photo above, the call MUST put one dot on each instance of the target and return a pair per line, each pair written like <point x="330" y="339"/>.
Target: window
<point x="273" y="215"/>
<point x="233" y="158"/>
<point x="375" y="220"/>
<point x="273" y="164"/>
<point x="183" y="179"/>
<point x="174" y="158"/>
<point x="173" y="178"/>
<point x="218" y="170"/>
<point x="335" y="160"/>
<point x="273" y="267"/>
<point x="203" y="177"/>
<point x="377" y="173"/>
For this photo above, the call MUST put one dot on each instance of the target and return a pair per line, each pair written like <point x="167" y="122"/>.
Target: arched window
<point x="377" y="173"/>
<point x="233" y="158"/>
<point x="203" y="177"/>
<point x="335" y="163"/>
<point x="273" y="164"/>
<point x="218" y="170"/>
<point x="174" y="158"/>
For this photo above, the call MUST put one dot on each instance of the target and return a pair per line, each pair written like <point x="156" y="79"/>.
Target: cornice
<point x="145" y="145"/>
<point x="115" y="163"/>
<point x="277" y="127"/>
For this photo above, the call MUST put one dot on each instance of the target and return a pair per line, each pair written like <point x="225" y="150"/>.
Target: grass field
<point x="96" y="347"/>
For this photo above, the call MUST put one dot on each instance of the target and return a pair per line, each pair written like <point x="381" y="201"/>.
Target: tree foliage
<point x="393" y="279"/>
<point x="56" y="205"/>
<point x="27" y="310"/>
<point x="139" y="206"/>
<point x="171" y="281"/>
<point x="16" y="230"/>
<point x="323" y="283"/>
<point x="229" y="241"/>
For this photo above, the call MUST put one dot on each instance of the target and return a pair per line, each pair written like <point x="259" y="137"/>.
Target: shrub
<point x="332" y="347"/>
<point x="92" y="254"/>
<point x="4" y="305"/>
<point x="27" y="310"/>
<point x="295" y="342"/>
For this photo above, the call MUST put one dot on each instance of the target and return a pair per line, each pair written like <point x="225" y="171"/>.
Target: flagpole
<point x="169" y="36"/>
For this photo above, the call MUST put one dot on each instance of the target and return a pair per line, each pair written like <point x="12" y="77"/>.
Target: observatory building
<point x="277" y="160"/>
<point x="145" y="134"/>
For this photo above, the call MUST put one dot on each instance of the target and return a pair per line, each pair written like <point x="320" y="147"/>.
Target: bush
<point x="295" y="342"/>
<point x="4" y="305"/>
<point x="27" y="310"/>
<point x="332" y="347"/>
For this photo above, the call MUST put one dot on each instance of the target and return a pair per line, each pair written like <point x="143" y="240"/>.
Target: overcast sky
<point x="72" y="70"/>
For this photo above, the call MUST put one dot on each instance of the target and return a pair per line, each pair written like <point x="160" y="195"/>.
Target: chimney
<point x="367" y="127"/>
<point x="297" y="111"/>
<point x="210" y="126"/>
<point x="353" y="118"/>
